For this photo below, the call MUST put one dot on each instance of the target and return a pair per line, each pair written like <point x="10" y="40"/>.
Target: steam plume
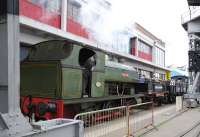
<point x="108" y="24"/>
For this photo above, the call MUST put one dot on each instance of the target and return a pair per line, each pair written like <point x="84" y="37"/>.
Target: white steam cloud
<point x="108" y="24"/>
<point x="106" y="20"/>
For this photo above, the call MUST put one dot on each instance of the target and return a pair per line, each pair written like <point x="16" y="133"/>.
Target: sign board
<point x="168" y="75"/>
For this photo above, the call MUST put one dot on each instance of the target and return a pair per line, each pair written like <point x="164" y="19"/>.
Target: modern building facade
<point x="147" y="52"/>
<point x="147" y="46"/>
<point x="42" y="20"/>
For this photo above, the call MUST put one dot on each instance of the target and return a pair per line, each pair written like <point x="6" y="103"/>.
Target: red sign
<point x="125" y="74"/>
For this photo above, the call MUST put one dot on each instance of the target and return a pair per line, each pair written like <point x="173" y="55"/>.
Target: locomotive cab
<point x="87" y="60"/>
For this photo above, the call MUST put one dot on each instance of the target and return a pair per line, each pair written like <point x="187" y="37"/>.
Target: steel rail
<point x="190" y="130"/>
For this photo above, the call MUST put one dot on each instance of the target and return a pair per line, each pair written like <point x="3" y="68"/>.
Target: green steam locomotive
<point x="61" y="79"/>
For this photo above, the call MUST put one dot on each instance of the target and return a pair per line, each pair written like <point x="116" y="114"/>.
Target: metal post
<point x="152" y="107"/>
<point x="196" y="83"/>
<point x="128" y="120"/>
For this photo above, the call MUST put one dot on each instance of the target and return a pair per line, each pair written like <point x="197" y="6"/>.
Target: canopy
<point x="178" y="72"/>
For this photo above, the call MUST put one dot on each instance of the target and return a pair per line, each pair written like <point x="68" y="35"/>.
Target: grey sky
<point x="162" y="18"/>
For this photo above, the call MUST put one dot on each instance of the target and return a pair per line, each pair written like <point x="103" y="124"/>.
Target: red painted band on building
<point x="36" y="12"/>
<point x="76" y="28"/>
<point x="145" y="56"/>
<point x="39" y="13"/>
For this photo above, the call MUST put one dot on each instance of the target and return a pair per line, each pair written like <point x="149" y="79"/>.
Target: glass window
<point x="144" y="73"/>
<point x="76" y="13"/>
<point x="160" y="57"/>
<point x="50" y="5"/>
<point x="143" y="47"/>
<point x="162" y="76"/>
<point x="70" y="11"/>
<point x="73" y="10"/>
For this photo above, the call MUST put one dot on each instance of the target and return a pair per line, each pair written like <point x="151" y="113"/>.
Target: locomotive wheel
<point x="159" y="102"/>
<point x="165" y="100"/>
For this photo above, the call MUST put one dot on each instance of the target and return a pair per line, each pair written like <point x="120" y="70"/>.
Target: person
<point x="87" y="75"/>
<point x="90" y="63"/>
<point x="142" y="79"/>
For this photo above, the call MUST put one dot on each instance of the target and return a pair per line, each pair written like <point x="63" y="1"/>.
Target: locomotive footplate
<point x="85" y="100"/>
<point x="160" y="94"/>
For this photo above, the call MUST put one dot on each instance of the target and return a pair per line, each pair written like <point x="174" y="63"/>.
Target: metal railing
<point x="140" y="116"/>
<point x="118" y="121"/>
<point x="104" y="123"/>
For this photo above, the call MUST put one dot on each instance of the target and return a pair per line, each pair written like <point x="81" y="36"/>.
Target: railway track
<point x="194" y="131"/>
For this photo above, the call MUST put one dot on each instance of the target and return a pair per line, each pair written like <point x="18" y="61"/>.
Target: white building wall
<point x="158" y="51"/>
<point x="159" y="57"/>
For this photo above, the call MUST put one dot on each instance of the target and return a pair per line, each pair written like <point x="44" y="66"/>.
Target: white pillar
<point x="9" y="60"/>
<point x="136" y="47"/>
<point x="154" y="54"/>
<point x="12" y="122"/>
<point x="64" y="15"/>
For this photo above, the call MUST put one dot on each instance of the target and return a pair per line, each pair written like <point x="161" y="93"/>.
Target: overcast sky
<point x="162" y="18"/>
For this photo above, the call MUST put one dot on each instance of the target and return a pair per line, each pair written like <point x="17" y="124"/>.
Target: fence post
<point x="128" y="120"/>
<point x="152" y="107"/>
